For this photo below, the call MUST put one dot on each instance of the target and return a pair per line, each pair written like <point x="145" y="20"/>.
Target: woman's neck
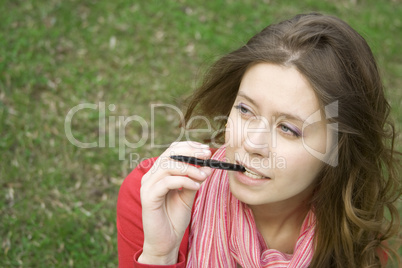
<point x="280" y="224"/>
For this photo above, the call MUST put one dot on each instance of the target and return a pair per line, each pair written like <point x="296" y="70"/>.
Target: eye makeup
<point x="296" y="132"/>
<point x="243" y="109"/>
<point x="290" y="130"/>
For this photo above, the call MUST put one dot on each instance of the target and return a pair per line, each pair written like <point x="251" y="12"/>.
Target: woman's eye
<point x="289" y="131"/>
<point x="242" y="109"/>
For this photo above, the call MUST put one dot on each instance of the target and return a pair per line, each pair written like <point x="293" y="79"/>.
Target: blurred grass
<point x="57" y="201"/>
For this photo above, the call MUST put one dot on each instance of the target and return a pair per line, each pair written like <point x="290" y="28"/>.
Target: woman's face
<point x="271" y="132"/>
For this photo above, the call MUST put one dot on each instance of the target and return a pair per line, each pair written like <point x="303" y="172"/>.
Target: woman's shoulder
<point x="143" y="167"/>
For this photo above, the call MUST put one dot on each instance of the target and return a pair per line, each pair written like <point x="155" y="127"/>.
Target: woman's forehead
<point x="280" y="89"/>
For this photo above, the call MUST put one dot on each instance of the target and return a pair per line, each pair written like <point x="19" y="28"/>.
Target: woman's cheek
<point x="231" y="128"/>
<point x="237" y="135"/>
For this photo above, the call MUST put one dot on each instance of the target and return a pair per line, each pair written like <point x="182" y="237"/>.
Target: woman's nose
<point x="256" y="138"/>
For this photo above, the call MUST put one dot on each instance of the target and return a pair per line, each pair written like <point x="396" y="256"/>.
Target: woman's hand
<point x="167" y="196"/>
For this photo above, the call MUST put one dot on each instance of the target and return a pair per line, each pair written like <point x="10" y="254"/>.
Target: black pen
<point x="208" y="163"/>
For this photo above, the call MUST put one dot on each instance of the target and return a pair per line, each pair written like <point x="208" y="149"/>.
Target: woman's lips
<point x="246" y="179"/>
<point x="253" y="173"/>
<point x="251" y="177"/>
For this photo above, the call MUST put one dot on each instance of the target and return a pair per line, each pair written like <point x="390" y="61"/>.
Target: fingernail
<point x="206" y="151"/>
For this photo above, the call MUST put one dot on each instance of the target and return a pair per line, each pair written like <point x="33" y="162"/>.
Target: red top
<point x="130" y="236"/>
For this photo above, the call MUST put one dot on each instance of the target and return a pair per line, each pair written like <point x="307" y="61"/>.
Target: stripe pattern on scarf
<point x="223" y="231"/>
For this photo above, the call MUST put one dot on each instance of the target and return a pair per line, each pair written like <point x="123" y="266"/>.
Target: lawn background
<point x="57" y="201"/>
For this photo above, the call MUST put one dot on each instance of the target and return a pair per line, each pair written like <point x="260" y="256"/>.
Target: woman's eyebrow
<point x="243" y="95"/>
<point x="289" y="117"/>
<point x="277" y="115"/>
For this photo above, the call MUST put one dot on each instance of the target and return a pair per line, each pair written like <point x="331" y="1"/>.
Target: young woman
<point x="307" y="118"/>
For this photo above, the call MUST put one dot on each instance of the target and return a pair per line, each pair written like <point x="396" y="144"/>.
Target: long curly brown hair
<point x="351" y="199"/>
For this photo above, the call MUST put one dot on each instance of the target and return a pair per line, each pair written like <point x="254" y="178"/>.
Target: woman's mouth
<point x="253" y="175"/>
<point x="251" y="178"/>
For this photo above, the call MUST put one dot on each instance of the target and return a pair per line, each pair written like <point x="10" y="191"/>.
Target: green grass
<point x="57" y="201"/>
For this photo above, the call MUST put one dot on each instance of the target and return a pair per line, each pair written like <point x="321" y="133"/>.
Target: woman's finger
<point x="163" y="186"/>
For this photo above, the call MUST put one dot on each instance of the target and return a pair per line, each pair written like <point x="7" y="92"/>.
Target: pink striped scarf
<point x="224" y="234"/>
